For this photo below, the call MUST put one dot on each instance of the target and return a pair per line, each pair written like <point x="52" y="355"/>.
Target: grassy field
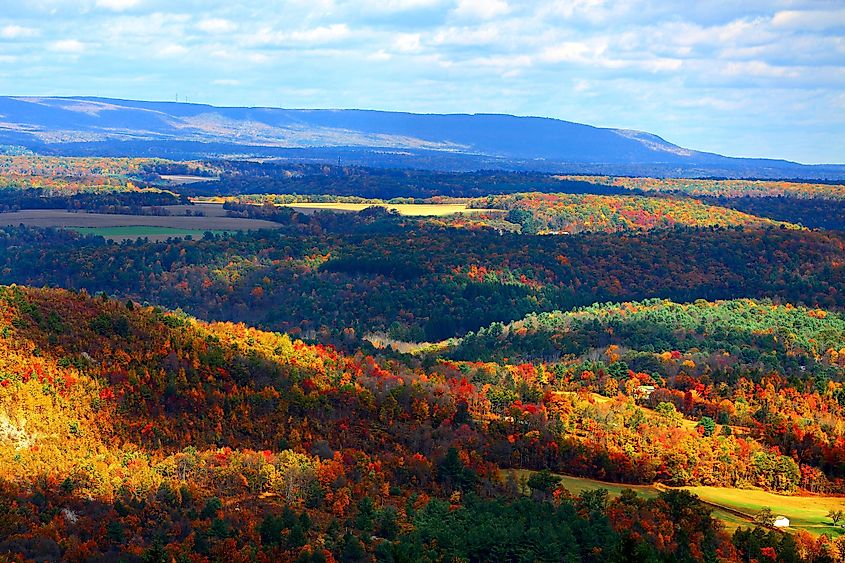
<point x="804" y="512"/>
<point x="409" y="209"/>
<point x="577" y="485"/>
<point x="382" y="341"/>
<point x="181" y="179"/>
<point x="132" y="233"/>
<point x="133" y="223"/>
<point x="206" y="209"/>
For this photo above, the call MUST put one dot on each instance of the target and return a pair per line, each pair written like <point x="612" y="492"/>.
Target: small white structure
<point x="781" y="522"/>
<point x="644" y="391"/>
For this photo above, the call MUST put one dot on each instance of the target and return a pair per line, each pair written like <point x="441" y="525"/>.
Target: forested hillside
<point x="783" y="337"/>
<point x="382" y="274"/>
<point x="304" y="452"/>
<point x="301" y="452"/>
<point x="567" y="214"/>
<point x="814" y="205"/>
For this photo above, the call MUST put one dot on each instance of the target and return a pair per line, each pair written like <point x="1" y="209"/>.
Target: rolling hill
<point x="128" y="433"/>
<point x="108" y="127"/>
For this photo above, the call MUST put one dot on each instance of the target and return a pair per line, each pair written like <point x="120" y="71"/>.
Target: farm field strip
<point x="64" y="219"/>
<point x="183" y="179"/>
<point x="408" y="209"/>
<point x="157" y="234"/>
<point x="736" y="508"/>
<point x="206" y="209"/>
<point x="804" y="512"/>
<point x="577" y="485"/>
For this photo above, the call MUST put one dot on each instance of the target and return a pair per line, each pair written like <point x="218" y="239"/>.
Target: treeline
<point x="704" y="361"/>
<point x="74" y="167"/>
<point x="245" y="177"/>
<point x="380" y="272"/>
<point x="814" y="205"/>
<point x="813" y="213"/>
<point x="782" y="338"/>
<point x="721" y="187"/>
<point x="267" y="212"/>
<point x="540" y="213"/>
<point x="63" y="175"/>
<point x="130" y="203"/>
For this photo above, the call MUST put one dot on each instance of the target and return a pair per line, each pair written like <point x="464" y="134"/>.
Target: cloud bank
<point x="753" y="78"/>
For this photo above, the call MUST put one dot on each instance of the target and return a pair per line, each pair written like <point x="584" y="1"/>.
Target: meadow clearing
<point x="736" y="508"/>
<point x="184" y="220"/>
<point x="204" y="209"/>
<point x="183" y="179"/>
<point x="135" y="232"/>
<point x="408" y="209"/>
<point x="133" y="226"/>
<point x="804" y="512"/>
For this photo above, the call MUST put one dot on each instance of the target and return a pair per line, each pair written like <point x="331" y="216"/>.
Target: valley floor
<point x="735" y="508"/>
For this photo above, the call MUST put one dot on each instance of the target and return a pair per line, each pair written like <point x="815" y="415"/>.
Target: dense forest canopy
<point x="565" y="213"/>
<point x="319" y="436"/>
<point x="418" y="366"/>
<point x="385" y="273"/>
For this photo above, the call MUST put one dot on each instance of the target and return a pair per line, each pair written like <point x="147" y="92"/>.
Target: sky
<point x="737" y="77"/>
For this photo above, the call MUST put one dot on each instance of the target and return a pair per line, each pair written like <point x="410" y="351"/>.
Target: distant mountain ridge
<point x="110" y="127"/>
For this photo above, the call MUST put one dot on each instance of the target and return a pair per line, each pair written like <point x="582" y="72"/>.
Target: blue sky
<point x="739" y="77"/>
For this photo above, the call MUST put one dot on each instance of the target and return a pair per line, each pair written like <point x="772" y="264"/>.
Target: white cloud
<point x="758" y="69"/>
<point x="809" y="20"/>
<point x="407" y="43"/>
<point x="144" y="28"/>
<point x="118" y="5"/>
<point x="660" y="64"/>
<point x="171" y="50"/>
<point x="17" y="32"/>
<point x="481" y="9"/>
<point x="590" y="10"/>
<point x="380" y="56"/>
<point x="316" y="35"/>
<point x="240" y="57"/>
<point x="581" y="86"/>
<point x="571" y="52"/>
<point x="322" y="34"/>
<point x="690" y="40"/>
<point x="394" y="6"/>
<point x="600" y="61"/>
<point x="510" y="63"/>
<point x="216" y="25"/>
<point x="484" y="35"/>
<point x="70" y="46"/>
<point x="712" y="102"/>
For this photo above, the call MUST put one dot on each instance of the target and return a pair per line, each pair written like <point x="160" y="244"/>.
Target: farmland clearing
<point x="804" y="512"/>
<point x="407" y="209"/>
<point x="184" y="179"/>
<point x="156" y="234"/>
<point x="132" y="226"/>
<point x="735" y="508"/>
